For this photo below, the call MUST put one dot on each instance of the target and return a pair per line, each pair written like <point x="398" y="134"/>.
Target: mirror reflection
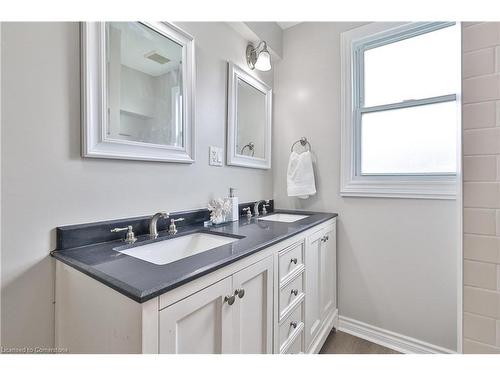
<point x="144" y="70"/>
<point x="250" y="120"/>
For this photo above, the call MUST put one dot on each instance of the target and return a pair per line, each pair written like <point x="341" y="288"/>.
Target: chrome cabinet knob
<point x="293" y="324"/>
<point x="229" y="299"/>
<point x="293" y="260"/>
<point x="239" y="292"/>
<point x="295" y="292"/>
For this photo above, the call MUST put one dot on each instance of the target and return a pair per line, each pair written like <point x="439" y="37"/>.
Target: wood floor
<point x="343" y="343"/>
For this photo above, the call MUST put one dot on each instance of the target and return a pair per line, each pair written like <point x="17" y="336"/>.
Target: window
<point x="400" y="113"/>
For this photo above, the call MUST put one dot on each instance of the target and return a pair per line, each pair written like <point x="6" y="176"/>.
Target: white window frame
<point x="353" y="45"/>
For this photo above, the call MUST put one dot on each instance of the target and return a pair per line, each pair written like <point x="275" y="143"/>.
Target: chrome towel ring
<point x="251" y="147"/>
<point x="303" y="142"/>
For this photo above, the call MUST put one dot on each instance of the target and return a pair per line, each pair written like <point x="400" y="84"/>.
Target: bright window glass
<point x="419" y="67"/>
<point x="413" y="140"/>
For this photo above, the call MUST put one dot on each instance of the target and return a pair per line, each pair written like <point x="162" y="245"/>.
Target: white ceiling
<point x="286" y="25"/>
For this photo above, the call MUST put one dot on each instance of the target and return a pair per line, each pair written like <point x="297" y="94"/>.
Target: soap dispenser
<point x="234" y="214"/>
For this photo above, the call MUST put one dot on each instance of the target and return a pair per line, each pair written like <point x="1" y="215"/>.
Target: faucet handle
<point x="173" y="228"/>
<point x="130" y="233"/>
<point x="248" y="210"/>
<point x="266" y="204"/>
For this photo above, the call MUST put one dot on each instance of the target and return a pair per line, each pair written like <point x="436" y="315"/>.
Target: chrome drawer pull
<point x="295" y="291"/>
<point x="293" y="260"/>
<point x="293" y="324"/>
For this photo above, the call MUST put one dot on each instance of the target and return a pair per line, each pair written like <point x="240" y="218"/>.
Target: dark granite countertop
<point x="141" y="280"/>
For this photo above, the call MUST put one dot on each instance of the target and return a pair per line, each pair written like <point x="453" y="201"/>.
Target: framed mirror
<point x="249" y="120"/>
<point x="137" y="91"/>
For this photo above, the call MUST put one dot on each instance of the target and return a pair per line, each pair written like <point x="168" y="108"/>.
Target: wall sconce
<point x="259" y="57"/>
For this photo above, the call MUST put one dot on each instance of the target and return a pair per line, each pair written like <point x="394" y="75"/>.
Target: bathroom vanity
<point x="264" y="284"/>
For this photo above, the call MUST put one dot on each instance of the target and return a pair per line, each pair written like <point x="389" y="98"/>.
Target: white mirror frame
<point x="233" y="158"/>
<point x="95" y="144"/>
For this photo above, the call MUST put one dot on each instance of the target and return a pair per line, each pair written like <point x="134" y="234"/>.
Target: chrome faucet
<point x="256" y="207"/>
<point x="153" y="224"/>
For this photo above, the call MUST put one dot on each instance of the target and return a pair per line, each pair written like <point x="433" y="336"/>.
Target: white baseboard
<point x="391" y="340"/>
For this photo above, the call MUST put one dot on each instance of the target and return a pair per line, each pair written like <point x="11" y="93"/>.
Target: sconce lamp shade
<point x="263" y="62"/>
<point x="259" y="58"/>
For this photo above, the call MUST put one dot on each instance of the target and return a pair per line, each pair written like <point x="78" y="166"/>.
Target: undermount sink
<point x="170" y="250"/>
<point x="284" y="218"/>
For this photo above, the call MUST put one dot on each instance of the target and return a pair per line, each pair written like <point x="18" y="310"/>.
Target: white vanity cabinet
<point x="282" y="299"/>
<point x="233" y="315"/>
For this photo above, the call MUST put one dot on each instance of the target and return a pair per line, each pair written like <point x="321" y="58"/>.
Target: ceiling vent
<point x="156" y="57"/>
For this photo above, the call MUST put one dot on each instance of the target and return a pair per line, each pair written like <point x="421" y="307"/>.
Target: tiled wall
<point x="481" y="167"/>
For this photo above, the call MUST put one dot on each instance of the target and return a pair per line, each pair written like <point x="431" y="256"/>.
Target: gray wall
<point x="397" y="258"/>
<point x="45" y="182"/>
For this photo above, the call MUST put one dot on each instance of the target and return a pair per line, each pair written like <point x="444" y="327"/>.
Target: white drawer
<point x="290" y="259"/>
<point x="291" y="327"/>
<point x="290" y="293"/>
<point x="296" y="346"/>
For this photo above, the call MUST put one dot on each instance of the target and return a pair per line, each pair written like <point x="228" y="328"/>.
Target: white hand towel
<point x="300" y="175"/>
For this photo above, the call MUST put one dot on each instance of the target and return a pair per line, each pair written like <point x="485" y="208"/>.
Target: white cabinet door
<point x="313" y="286"/>
<point x="200" y="323"/>
<point x="328" y="272"/>
<point x="321" y="278"/>
<point x="253" y="311"/>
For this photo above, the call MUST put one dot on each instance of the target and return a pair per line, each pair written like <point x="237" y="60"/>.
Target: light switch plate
<point x="215" y="156"/>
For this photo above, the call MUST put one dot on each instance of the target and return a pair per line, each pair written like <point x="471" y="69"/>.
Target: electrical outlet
<point x="215" y="156"/>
